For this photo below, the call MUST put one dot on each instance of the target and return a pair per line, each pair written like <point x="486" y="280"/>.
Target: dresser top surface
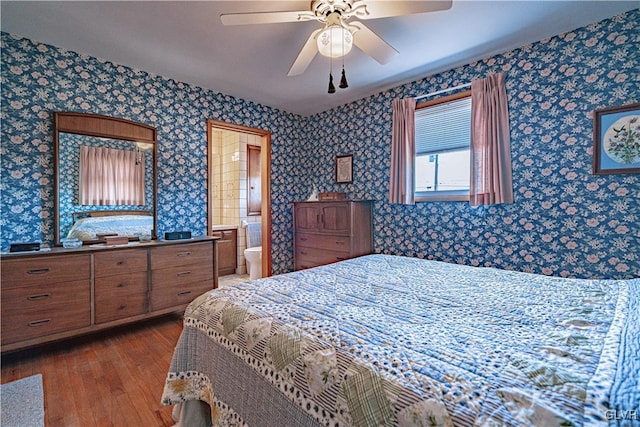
<point x="104" y="247"/>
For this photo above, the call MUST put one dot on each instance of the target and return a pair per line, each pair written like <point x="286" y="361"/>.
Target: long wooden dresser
<point x="48" y="296"/>
<point x="331" y="231"/>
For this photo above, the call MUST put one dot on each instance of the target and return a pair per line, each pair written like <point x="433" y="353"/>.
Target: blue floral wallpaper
<point x="565" y="221"/>
<point x="69" y="167"/>
<point x="38" y="79"/>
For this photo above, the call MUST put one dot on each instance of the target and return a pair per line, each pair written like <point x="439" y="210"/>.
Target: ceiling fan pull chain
<point x="332" y="88"/>
<point x="343" y="80"/>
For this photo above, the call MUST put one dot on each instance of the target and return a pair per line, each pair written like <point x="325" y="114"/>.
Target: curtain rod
<point x="466" y="85"/>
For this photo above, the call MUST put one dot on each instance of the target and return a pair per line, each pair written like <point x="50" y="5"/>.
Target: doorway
<point x="215" y="130"/>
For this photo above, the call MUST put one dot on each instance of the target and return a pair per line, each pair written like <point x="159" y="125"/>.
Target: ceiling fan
<point x="341" y="29"/>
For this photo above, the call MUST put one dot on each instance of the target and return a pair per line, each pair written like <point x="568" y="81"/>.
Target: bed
<point x="94" y="225"/>
<point x="385" y="340"/>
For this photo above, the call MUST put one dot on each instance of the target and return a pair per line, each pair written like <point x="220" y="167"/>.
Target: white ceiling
<point x="185" y="41"/>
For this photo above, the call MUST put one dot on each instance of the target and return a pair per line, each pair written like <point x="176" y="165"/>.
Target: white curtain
<point x="403" y="148"/>
<point x="490" y="143"/>
<point x="111" y="177"/>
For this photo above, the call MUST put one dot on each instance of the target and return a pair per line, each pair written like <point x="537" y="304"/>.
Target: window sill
<point x="442" y="196"/>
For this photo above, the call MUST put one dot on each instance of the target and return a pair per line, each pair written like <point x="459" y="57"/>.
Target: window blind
<point x="443" y="127"/>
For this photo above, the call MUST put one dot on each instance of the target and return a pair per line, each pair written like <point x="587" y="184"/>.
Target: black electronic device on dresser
<point x="177" y="235"/>
<point x="24" y="247"/>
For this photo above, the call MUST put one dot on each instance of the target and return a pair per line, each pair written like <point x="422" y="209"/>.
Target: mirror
<point x="105" y="178"/>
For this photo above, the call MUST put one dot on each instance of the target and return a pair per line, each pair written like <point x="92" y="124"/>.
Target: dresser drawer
<point x="172" y="294"/>
<point x="180" y="255"/>
<point x="224" y="235"/>
<point x="36" y="311"/>
<point x="307" y="256"/>
<point x="36" y="271"/>
<point x="181" y="275"/>
<point x="119" y="262"/>
<point x="120" y="306"/>
<point x="34" y="298"/>
<point x="333" y="243"/>
<point x="302" y="264"/>
<point x="114" y="287"/>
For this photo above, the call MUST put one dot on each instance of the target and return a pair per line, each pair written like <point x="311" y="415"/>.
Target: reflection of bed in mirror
<point x="95" y="225"/>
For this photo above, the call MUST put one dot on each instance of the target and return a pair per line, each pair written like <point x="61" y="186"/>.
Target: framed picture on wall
<point x="616" y="140"/>
<point x="344" y="169"/>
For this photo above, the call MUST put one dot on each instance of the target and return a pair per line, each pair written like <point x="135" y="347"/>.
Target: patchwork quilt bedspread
<point x="385" y="340"/>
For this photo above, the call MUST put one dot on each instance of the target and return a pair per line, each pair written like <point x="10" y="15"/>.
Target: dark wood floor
<point x="114" y="378"/>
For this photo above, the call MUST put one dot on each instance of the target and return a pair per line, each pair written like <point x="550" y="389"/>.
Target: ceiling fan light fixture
<point x="335" y="41"/>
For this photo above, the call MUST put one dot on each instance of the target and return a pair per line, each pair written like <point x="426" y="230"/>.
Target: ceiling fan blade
<point x="306" y="55"/>
<point x="265" y="17"/>
<point x="371" y="44"/>
<point x="385" y="9"/>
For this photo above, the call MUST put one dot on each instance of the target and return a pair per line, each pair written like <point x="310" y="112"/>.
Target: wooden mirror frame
<point x="104" y="127"/>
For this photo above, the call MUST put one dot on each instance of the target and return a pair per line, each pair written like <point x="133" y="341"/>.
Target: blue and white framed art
<point x="616" y="140"/>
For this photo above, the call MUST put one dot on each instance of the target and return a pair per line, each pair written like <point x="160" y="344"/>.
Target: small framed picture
<point x="344" y="169"/>
<point x="616" y="140"/>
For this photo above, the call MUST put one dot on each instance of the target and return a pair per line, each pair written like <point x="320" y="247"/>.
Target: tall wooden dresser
<point x="331" y="231"/>
<point x="48" y="296"/>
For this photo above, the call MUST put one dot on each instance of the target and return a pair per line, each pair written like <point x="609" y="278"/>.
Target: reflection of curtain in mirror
<point x="111" y="177"/>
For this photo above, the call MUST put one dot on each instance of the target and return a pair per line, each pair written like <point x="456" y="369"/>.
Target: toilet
<point x="253" y="253"/>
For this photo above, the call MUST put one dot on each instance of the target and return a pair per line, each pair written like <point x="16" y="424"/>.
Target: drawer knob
<point x="304" y="239"/>
<point x="339" y="258"/>
<point x="184" y="273"/>
<point x="185" y="253"/>
<point x="38" y="297"/>
<point x="122" y="307"/>
<point x="122" y="285"/>
<point x="120" y="263"/>
<point x="183" y="293"/>
<point x="37" y="323"/>
<point x="339" y="243"/>
<point x="39" y="271"/>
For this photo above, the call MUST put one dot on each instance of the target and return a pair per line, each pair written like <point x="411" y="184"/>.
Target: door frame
<point x="265" y="180"/>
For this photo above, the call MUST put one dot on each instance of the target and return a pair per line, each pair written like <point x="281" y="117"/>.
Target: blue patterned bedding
<point x="123" y="225"/>
<point x="384" y="340"/>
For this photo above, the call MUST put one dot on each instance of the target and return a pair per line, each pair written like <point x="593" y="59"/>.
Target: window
<point x="442" y="158"/>
<point x="110" y="176"/>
